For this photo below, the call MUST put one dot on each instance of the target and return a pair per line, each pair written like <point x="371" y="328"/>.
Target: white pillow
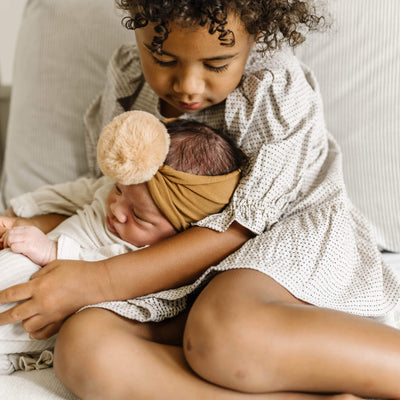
<point x="357" y="65"/>
<point x="62" y="52"/>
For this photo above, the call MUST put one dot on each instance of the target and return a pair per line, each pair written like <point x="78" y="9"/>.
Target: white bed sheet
<point x="393" y="259"/>
<point x="43" y="385"/>
<point x="33" y="385"/>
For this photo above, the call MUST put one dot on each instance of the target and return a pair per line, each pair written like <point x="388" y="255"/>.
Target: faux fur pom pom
<point x="132" y="147"/>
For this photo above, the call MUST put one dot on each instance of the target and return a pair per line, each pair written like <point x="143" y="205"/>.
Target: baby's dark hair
<point x="200" y="150"/>
<point x="273" y="22"/>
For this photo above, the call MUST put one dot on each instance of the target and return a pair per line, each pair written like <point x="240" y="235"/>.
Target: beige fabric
<point x="31" y="362"/>
<point x="185" y="198"/>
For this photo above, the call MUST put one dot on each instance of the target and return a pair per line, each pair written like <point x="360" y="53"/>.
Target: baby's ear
<point x="132" y="147"/>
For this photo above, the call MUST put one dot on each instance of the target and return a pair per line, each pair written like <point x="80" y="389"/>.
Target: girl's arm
<point x="45" y="223"/>
<point x="171" y="263"/>
<point x="64" y="286"/>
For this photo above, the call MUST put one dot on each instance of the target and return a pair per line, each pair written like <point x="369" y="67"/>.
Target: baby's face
<point x="133" y="216"/>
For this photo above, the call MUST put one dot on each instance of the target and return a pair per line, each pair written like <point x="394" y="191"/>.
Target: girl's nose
<point x="118" y="213"/>
<point x="189" y="83"/>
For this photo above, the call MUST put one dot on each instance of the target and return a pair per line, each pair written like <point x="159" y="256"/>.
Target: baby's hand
<point x="10" y="221"/>
<point x="6" y="223"/>
<point x="32" y="243"/>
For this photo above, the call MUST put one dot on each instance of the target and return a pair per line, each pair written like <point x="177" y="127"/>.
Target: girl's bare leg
<point x="247" y="333"/>
<point x="102" y="356"/>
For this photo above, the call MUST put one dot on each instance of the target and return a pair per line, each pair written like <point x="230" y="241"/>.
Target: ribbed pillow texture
<point x="357" y="65"/>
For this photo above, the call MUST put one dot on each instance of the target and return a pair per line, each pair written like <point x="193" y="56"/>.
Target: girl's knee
<point x="212" y="339"/>
<point x="217" y="318"/>
<point x="227" y="329"/>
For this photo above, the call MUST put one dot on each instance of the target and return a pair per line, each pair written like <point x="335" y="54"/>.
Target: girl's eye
<point x="217" y="69"/>
<point x="173" y="63"/>
<point x="164" y="63"/>
<point x="117" y="189"/>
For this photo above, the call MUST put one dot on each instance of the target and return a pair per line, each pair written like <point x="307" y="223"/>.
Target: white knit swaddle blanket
<point x="17" y="349"/>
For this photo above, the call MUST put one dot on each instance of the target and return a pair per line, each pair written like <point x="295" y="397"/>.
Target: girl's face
<point x="194" y="71"/>
<point x="133" y="216"/>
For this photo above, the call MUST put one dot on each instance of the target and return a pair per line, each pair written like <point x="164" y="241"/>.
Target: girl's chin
<point x="168" y="110"/>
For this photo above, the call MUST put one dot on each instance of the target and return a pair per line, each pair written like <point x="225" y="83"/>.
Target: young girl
<point x="285" y="315"/>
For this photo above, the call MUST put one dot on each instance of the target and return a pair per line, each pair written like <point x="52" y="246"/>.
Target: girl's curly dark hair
<point x="273" y="22"/>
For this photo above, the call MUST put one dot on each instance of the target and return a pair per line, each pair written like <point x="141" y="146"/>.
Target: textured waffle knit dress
<point x="309" y="237"/>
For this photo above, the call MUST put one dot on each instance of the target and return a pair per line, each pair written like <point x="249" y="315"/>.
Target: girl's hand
<point x="32" y="243"/>
<point x="53" y="293"/>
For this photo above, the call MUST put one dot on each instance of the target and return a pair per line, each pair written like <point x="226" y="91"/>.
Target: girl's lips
<point x="190" y="106"/>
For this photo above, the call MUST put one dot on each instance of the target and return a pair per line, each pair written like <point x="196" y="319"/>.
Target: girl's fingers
<point x="20" y="312"/>
<point x="36" y="324"/>
<point x="46" y="332"/>
<point x="20" y="292"/>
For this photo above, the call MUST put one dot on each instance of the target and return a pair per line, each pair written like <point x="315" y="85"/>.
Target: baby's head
<point x="197" y="149"/>
<point x="198" y="177"/>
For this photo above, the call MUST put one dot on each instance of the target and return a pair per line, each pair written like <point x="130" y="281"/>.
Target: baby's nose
<point x="118" y="213"/>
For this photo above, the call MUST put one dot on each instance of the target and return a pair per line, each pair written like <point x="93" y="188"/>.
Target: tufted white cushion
<point x="357" y="65"/>
<point x="62" y="52"/>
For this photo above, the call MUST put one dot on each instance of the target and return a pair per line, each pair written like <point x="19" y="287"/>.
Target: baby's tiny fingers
<point x="9" y="238"/>
<point x="4" y="240"/>
<point x="18" y="247"/>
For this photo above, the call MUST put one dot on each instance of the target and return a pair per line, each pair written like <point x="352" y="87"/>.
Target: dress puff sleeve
<point x="276" y="117"/>
<point x="124" y="79"/>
